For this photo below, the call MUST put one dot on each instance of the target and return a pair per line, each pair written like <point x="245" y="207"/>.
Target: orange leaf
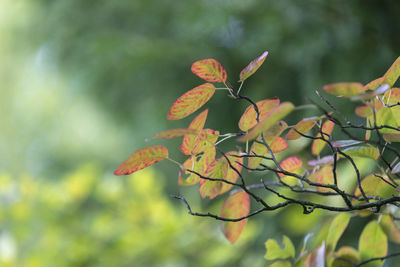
<point x="252" y="67"/>
<point x="374" y="84"/>
<point x="141" y="159"/>
<point x="278" y="145"/>
<point x="235" y="206"/>
<point x="318" y="145"/>
<point x="363" y="111"/>
<point x="392" y="73"/>
<point x="302" y="126"/>
<point x="290" y="164"/>
<point x="209" y="70"/>
<point x="189" y="140"/>
<point x="249" y="117"/>
<point x="275" y="131"/>
<point x="175" y="133"/>
<point x="191" y="101"/>
<point x="197" y="163"/>
<point x="216" y="170"/>
<point x="323" y="176"/>
<point x="270" y="119"/>
<point x="231" y="174"/>
<point x="344" y="89"/>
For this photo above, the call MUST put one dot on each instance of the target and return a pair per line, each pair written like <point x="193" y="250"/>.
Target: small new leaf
<point x="252" y="67"/>
<point x="141" y="159"/>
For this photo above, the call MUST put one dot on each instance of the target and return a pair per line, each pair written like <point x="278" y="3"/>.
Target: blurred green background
<point x="84" y="82"/>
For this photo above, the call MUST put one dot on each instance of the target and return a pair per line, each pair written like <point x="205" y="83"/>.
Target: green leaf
<point x="235" y="206"/>
<point x="338" y="225"/>
<point x="191" y="101"/>
<point x="364" y="151"/>
<point x="344" y="89"/>
<point x="390" y="228"/>
<point x="252" y="67"/>
<point x="393" y="73"/>
<point x="281" y="264"/>
<point x="274" y="251"/>
<point x="372" y="244"/>
<point x="141" y="159"/>
<point x="209" y="70"/>
<point x="346" y="257"/>
<point x="276" y="114"/>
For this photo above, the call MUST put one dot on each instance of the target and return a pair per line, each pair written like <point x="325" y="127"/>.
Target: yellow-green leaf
<point x="373" y="243"/>
<point x="175" y="133"/>
<point x="346" y="257"/>
<point x="235" y="206"/>
<point x="216" y="170"/>
<point x="318" y="144"/>
<point x="281" y="264"/>
<point x="338" y="225"/>
<point x="249" y="117"/>
<point x="323" y="176"/>
<point x="363" y="151"/>
<point x="392" y="73"/>
<point x="277" y="145"/>
<point x="344" y="89"/>
<point x="191" y="101"/>
<point x="272" y="117"/>
<point x="252" y="67"/>
<point x="189" y="141"/>
<point x="141" y="159"/>
<point x="209" y="70"/>
<point x="274" y="251"/>
<point x="302" y="126"/>
<point x="390" y="228"/>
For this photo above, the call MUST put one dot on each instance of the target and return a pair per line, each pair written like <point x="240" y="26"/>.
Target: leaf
<point x="363" y="111"/>
<point x="374" y="84"/>
<point x="391" y="230"/>
<point x="249" y="117"/>
<point x="323" y="176"/>
<point x="346" y="257"/>
<point x="276" y="114"/>
<point x="189" y="140"/>
<point x="231" y="174"/>
<point x="373" y="243"/>
<point x="204" y="140"/>
<point x="345" y="143"/>
<point x="252" y="67"/>
<point x="316" y="258"/>
<point x="338" y="225"/>
<point x="324" y="160"/>
<point x="364" y="151"/>
<point x="281" y="264"/>
<point x="275" y="131"/>
<point x="302" y="126"/>
<point x="290" y="164"/>
<point x="318" y="145"/>
<point x="175" y="133"/>
<point x="235" y="206"/>
<point x="191" y="101"/>
<point x="209" y="70"/>
<point x="390" y="138"/>
<point x="216" y="170"/>
<point x="392" y="73"/>
<point x="274" y="251"/>
<point x="277" y="145"/>
<point x="344" y="89"/>
<point x="141" y="159"/>
<point x="396" y="168"/>
<point x="374" y="186"/>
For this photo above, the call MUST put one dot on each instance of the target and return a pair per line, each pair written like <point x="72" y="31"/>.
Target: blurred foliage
<point x="87" y="81"/>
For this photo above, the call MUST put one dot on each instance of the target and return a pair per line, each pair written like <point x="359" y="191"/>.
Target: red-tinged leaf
<point x="302" y="126"/>
<point x="234" y="207"/>
<point x="249" y="117"/>
<point x="390" y="138"/>
<point x="374" y="186"/>
<point x="252" y="67"/>
<point x="363" y="111"/>
<point x="290" y="164"/>
<point x="373" y="243"/>
<point x="141" y="159"/>
<point x="322" y="161"/>
<point x="189" y="140"/>
<point x="275" y="131"/>
<point x="390" y="228"/>
<point x="209" y="70"/>
<point x="216" y="170"/>
<point x="392" y="98"/>
<point x="175" y="133"/>
<point x="318" y="145"/>
<point x="323" y="176"/>
<point x="344" y="89"/>
<point x="396" y="168"/>
<point x="231" y="174"/>
<point x="191" y="101"/>
<point x="204" y="140"/>
<point x="345" y="143"/>
<point x="374" y="84"/>
<point x="393" y="73"/>
<point x="366" y="151"/>
<point x="277" y="145"/>
<point x="272" y="117"/>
